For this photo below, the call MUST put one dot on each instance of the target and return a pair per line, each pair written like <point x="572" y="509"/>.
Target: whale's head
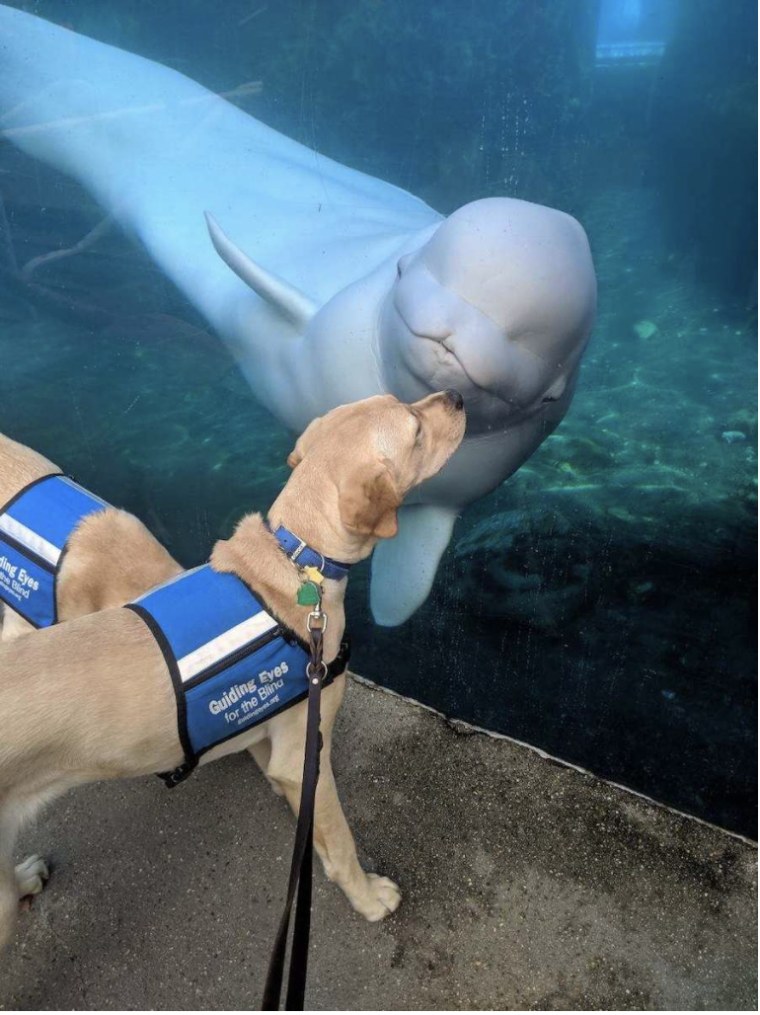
<point x="498" y="303"/>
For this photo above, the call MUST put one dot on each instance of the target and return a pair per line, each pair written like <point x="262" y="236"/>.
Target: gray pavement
<point x="527" y="886"/>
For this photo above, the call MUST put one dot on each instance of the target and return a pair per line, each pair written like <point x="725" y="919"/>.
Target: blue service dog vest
<point x="35" y="527"/>
<point x="232" y="664"/>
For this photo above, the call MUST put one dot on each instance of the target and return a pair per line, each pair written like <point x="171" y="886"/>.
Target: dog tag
<point x="314" y="575"/>
<point x="308" y="594"/>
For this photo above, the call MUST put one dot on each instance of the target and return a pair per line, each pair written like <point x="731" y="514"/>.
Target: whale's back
<point x="156" y="149"/>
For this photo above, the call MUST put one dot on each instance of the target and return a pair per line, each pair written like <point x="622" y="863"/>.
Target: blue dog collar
<point x="305" y="556"/>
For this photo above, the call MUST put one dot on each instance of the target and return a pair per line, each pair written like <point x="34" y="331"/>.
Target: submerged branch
<point x="57" y="255"/>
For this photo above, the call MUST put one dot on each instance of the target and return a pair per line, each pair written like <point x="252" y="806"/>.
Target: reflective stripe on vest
<point x="233" y="665"/>
<point x="35" y="527"/>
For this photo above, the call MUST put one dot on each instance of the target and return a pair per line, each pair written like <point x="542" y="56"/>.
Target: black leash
<point x="301" y="863"/>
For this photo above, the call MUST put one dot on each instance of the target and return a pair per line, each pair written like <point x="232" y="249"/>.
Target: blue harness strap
<point x="35" y="527"/>
<point x="232" y="664"/>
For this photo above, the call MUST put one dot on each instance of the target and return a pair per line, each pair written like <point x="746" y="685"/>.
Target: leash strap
<point x="301" y="863"/>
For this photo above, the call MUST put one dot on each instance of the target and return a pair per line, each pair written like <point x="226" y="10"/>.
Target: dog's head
<point x="354" y="466"/>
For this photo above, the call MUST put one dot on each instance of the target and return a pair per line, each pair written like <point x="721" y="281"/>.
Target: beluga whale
<point x="327" y="285"/>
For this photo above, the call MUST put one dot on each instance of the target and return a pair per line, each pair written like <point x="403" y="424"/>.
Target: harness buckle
<point x="179" y="774"/>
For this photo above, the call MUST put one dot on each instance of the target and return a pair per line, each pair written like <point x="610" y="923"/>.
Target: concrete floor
<point x="527" y="886"/>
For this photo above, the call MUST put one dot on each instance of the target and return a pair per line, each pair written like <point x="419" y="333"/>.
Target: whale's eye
<point x="402" y="264"/>
<point x="556" y="391"/>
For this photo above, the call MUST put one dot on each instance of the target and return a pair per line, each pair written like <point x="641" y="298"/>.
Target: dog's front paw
<point x="31" y="876"/>
<point x="382" y="898"/>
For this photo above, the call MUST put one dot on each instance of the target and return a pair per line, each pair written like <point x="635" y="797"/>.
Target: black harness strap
<point x="301" y="863"/>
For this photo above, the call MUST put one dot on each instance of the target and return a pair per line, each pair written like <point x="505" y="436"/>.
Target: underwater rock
<point x="498" y="533"/>
<point x="502" y="568"/>
<point x="645" y="329"/>
<point x="582" y="456"/>
<point x="546" y="568"/>
<point x="744" y="419"/>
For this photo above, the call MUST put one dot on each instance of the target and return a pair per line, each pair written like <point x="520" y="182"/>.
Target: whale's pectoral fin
<point x="285" y="298"/>
<point x="403" y="568"/>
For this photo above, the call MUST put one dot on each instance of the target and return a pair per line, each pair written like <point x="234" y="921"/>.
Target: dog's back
<point x="111" y="557"/>
<point x="20" y="466"/>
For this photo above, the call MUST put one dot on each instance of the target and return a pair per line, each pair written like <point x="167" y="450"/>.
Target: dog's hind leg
<point x="261" y="753"/>
<point x="29" y="877"/>
<point x="8" y="901"/>
<point x="11" y="817"/>
<point x="14" y="626"/>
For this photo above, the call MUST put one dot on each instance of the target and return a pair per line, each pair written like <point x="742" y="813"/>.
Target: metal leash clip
<point x="317" y="621"/>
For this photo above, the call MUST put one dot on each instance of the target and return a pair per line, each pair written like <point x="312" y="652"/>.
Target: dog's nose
<point x="454" y="398"/>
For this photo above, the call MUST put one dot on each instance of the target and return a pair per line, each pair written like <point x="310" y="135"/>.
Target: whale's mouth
<point x="452" y="355"/>
<point x="455" y="360"/>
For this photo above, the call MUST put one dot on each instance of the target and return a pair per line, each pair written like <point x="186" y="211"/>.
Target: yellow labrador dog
<point x="110" y="557"/>
<point x="103" y="703"/>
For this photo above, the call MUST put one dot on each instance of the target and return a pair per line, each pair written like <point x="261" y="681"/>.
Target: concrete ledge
<point x="527" y="886"/>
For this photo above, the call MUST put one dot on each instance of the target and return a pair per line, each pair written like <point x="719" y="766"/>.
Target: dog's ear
<point x="296" y="455"/>
<point x="369" y="501"/>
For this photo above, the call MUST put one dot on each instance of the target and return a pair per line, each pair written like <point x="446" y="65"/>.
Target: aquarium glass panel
<point x="595" y="598"/>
